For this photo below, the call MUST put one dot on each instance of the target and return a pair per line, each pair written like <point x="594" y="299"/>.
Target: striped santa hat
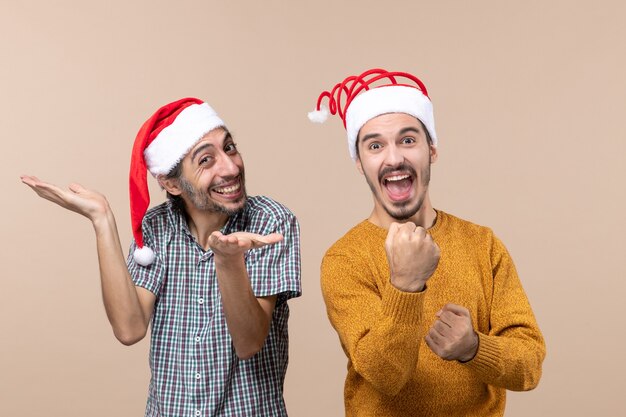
<point x="360" y="98"/>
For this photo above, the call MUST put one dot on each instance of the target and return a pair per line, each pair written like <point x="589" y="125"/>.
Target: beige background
<point x="529" y="102"/>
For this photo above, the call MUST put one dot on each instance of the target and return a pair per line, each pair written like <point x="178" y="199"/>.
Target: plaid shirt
<point x="195" y="371"/>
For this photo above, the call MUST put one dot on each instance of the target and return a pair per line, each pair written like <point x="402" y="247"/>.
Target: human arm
<point x="511" y="352"/>
<point x="248" y="318"/>
<point x="128" y="307"/>
<point x="510" y="349"/>
<point x="379" y="325"/>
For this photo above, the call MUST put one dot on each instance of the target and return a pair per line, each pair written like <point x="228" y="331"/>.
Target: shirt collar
<point x="178" y="219"/>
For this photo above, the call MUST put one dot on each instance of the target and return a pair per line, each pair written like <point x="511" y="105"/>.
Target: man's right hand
<point x="129" y="308"/>
<point x="90" y="204"/>
<point x="412" y="255"/>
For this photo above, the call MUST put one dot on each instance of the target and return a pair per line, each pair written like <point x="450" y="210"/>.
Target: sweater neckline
<point x="439" y="221"/>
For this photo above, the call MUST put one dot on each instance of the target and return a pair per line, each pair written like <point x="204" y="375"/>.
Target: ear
<point x="433" y="154"/>
<point x="171" y="185"/>
<point x="358" y="165"/>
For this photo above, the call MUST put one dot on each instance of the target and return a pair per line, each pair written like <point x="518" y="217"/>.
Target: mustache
<point x="401" y="167"/>
<point x="226" y="180"/>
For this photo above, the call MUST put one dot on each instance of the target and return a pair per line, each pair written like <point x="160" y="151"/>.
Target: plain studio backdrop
<point x="529" y="101"/>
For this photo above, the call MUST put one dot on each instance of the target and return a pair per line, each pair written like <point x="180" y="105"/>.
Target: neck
<point x="202" y="223"/>
<point x="424" y="217"/>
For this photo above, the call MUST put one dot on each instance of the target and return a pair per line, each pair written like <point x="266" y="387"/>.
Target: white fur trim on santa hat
<point x="319" y="116"/>
<point x="174" y="141"/>
<point x="144" y="256"/>
<point x="388" y="99"/>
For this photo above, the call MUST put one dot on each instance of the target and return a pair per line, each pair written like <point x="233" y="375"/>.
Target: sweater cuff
<point x="488" y="359"/>
<point x="403" y="307"/>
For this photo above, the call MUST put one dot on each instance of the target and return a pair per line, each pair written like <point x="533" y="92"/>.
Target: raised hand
<point x="412" y="255"/>
<point x="239" y="242"/>
<point x="452" y="337"/>
<point x="128" y="307"/>
<point x="76" y="198"/>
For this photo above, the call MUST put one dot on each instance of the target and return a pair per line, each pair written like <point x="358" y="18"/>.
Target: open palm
<point x="76" y="198"/>
<point x="240" y="242"/>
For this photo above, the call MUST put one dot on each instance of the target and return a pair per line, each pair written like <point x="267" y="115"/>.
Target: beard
<point x="202" y="200"/>
<point x="402" y="210"/>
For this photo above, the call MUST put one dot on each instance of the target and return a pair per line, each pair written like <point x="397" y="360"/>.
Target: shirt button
<point x="198" y="375"/>
<point x="197" y="339"/>
<point x="198" y="412"/>
<point x="200" y="300"/>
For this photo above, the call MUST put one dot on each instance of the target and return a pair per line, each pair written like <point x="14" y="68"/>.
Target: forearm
<point x="511" y="347"/>
<point x="121" y="301"/>
<point x="247" y="317"/>
<point x="509" y="362"/>
<point x="382" y="341"/>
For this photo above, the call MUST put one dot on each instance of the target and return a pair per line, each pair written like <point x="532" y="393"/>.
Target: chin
<point x="403" y="210"/>
<point x="402" y="215"/>
<point x="233" y="207"/>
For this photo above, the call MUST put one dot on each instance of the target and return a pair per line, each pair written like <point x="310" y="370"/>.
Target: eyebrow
<point x="370" y="136"/>
<point x="195" y="153"/>
<point x="200" y="149"/>
<point x="402" y="132"/>
<point x="409" y="129"/>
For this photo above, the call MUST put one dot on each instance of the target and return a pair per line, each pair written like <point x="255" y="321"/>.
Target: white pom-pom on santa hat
<point x="144" y="256"/>
<point x="319" y="116"/>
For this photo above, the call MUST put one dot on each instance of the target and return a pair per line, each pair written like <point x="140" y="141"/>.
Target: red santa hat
<point x="162" y="142"/>
<point x="360" y="98"/>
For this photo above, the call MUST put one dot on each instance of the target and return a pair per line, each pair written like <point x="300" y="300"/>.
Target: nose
<point x="228" y="166"/>
<point x="393" y="155"/>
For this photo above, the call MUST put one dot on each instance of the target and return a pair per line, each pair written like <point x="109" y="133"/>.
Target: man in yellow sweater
<point x="428" y="307"/>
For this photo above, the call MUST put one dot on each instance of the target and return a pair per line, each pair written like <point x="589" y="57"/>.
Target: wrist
<point x="472" y="351"/>
<point x="228" y="261"/>
<point x="103" y="219"/>
<point x="411" y="286"/>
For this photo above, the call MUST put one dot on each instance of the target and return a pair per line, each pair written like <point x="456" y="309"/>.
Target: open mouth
<point x="399" y="187"/>
<point x="231" y="189"/>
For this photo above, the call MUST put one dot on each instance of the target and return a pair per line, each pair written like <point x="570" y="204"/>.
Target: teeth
<point x="397" y="177"/>
<point x="228" y="190"/>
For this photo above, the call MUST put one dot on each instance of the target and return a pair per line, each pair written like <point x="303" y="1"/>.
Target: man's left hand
<point x="237" y="243"/>
<point x="452" y="337"/>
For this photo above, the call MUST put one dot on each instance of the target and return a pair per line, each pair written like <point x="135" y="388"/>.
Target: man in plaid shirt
<point x="212" y="268"/>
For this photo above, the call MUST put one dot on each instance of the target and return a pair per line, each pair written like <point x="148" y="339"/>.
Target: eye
<point x="407" y="140"/>
<point x="205" y="160"/>
<point x="374" y="146"/>
<point x="230" y="148"/>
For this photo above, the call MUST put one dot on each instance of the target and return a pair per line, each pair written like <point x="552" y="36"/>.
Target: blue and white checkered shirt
<point x="195" y="371"/>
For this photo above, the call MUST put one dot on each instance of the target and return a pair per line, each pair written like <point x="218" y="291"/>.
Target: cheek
<point x="370" y="170"/>
<point x="419" y="159"/>
<point x="205" y="177"/>
<point x="373" y="164"/>
<point x="238" y="160"/>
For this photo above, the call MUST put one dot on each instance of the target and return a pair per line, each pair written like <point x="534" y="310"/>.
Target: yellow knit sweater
<point x="391" y="370"/>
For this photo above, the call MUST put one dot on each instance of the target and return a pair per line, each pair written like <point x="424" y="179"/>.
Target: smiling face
<point x="395" y="157"/>
<point x="212" y="176"/>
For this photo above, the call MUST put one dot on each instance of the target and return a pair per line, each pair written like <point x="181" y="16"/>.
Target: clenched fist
<point x="412" y="255"/>
<point x="452" y="337"/>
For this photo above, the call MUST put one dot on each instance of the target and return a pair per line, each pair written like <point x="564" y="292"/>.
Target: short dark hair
<point x="175" y="174"/>
<point x="428" y="139"/>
